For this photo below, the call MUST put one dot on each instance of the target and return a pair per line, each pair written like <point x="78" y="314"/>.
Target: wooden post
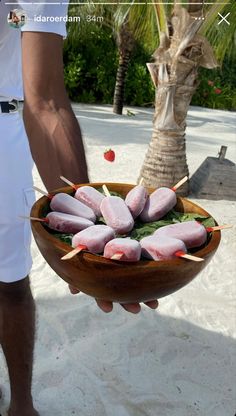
<point x="222" y="152"/>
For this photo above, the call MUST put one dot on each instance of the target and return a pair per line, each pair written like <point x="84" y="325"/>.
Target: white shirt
<point x="40" y="19"/>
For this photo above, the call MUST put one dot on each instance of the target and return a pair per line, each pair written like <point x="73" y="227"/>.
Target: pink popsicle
<point x="67" y="223"/>
<point x="94" y="238"/>
<point x="90" y="197"/>
<point x="161" y="201"/>
<point x="192" y="233"/>
<point x="136" y="199"/>
<point x="116" y="214"/>
<point x="163" y="248"/>
<point x="123" y="249"/>
<point x="63" y="202"/>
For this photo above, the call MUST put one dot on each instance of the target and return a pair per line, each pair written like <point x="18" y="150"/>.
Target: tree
<point x="132" y="22"/>
<point x="183" y="48"/>
<point x="128" y="24"/>
<point x="125" y="42"/>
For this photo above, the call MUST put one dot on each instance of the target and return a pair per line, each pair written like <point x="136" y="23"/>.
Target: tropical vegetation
<point x="93" y="54"/>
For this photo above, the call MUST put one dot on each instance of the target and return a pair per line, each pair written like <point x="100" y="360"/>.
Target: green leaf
<point x="65" y="238"/>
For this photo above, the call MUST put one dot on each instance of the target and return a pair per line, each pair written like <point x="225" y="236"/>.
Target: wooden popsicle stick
<point x="68" y="182"/>
<point x="141" y="181"/>
<point x="42" y="192"/>
<point x="219" y="227"/>
<point x="180" y="183"/>
<point x="184" y="255"/>
<point x="72" y="253"/>
<point x="117" y="256"/>
<point x="34" y="218"/>
<point x="105" y="190"/>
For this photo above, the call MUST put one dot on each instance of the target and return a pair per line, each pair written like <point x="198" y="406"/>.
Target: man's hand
<point x="107" y="306"/>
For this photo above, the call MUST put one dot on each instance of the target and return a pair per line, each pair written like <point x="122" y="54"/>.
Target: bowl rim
<point x="65" y="248"/>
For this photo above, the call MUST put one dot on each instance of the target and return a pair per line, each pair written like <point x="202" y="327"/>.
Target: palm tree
<point x="128" y="25"/>
<point x="131" y="23"/>
<point x="125" y="42"/>
<point x="183" y="48"/>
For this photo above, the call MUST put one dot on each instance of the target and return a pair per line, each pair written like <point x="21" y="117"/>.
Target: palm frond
<point x="221" y="36"/>
<point x="161" y="17"/>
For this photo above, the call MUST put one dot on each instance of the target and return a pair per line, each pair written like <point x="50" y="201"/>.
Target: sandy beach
<point x="178" y="360"/>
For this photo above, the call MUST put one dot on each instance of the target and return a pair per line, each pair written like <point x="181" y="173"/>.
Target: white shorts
<point x="16" y="198"/>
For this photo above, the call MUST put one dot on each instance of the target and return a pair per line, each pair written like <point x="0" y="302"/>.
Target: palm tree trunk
<point x="118" y="100"/>
<point x="174" y="74"/>
<point x="125" y="42"/>
<point x="165" y="162"/>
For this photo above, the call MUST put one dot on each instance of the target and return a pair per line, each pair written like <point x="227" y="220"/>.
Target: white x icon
<point x="223" y="18"/>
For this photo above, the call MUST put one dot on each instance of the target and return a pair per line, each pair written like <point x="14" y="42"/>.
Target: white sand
<point x="175" y="361"/>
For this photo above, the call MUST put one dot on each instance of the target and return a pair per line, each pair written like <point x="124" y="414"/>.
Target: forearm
<point x="55" y="141"/>
<point x="53" y="131"/>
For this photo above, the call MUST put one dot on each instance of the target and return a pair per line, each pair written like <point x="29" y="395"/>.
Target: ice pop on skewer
<point x="136" y="200"/>
<point x="165" y="248"/>
<point x="116" y="214"/>
<point x="63" y="202"/>
<point x="90" y="197"/>
<point x="64" y="223"/>
<point x="192" y="233"/>
<point x="161" y="201"/>
<point x="67" y="223"/>
<point x="92" y="239"/>
<point x="87" y="195"/>
<point x="124" y="249"/>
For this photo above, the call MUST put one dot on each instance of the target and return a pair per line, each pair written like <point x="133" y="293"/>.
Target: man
<point x="56" y="146"/>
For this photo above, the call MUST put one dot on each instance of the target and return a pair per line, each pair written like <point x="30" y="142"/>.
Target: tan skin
<point x="57" y="148"/>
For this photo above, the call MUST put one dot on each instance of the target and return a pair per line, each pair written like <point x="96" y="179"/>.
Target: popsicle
<point x="165" y="248"/>
<point x="116" y="213"/>
<point x="93" y="239"/>
<point x="64" y="223"/>
<point x="192" y="233"/>
<point x="63" y="202"/>
<point x="67" y="223"/>
<point x="88" y="195"/>
<point x="161" y="201"/>
<point x="136" y="199"/>
<point x="124" y="249"/>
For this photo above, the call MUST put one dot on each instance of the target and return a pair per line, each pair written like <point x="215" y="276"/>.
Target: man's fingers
<point x="104" y="305"/>
<point x="153" y="304"/>
<point x="131" y="307"/>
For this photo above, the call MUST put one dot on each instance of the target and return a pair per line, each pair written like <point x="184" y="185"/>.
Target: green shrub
<point x="94" y="55"/>
<point x="90" y="65"/>
<point x="139" y="89"/>
<point x="72" y="71"/>
<point x="217" y="88"/>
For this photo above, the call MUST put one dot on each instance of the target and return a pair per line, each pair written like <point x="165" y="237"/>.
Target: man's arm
<point x="53" y="131"/>
<point x="52" y="128"/>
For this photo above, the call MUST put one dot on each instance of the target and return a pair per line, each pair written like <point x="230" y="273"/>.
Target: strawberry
<point x="109" y="155"/>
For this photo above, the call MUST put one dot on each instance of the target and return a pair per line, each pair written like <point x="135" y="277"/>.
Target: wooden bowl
<point x="119" y="281"/>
